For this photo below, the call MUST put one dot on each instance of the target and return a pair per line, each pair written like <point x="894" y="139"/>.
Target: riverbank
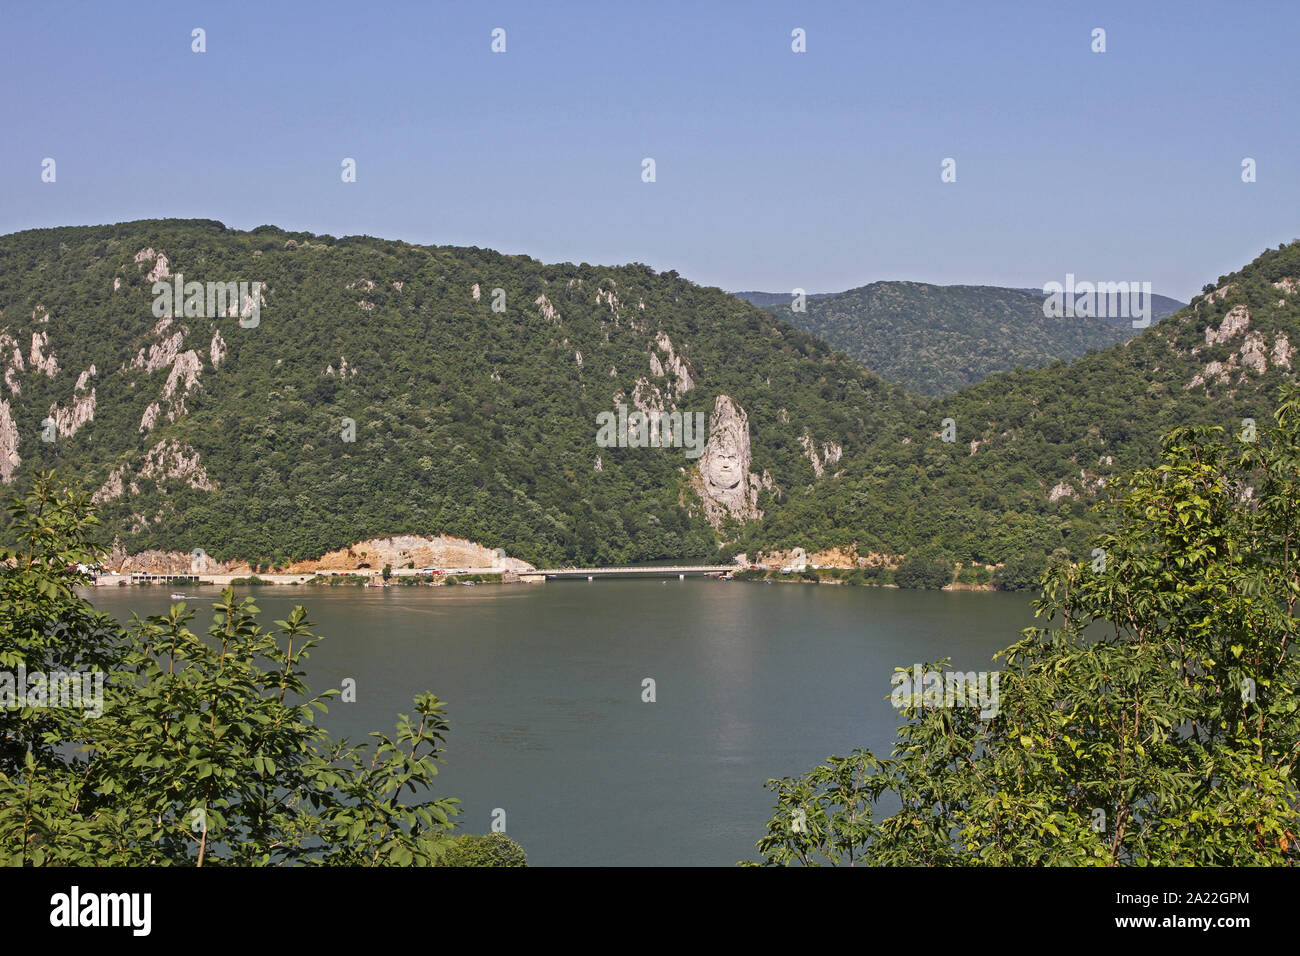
<point x="973" y="579"/>
<point x="398" y="577"/>
<point x="834" y="577"/>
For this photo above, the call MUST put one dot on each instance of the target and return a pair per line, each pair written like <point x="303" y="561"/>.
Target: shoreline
<point x="406" y="577"/>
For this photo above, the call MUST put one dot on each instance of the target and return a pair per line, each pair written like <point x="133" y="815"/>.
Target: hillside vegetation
<point x="937" y="339"/>
<point x="196" y="432"/>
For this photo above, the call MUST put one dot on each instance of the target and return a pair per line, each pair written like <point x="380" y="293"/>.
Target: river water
<point x="544" y="685"/>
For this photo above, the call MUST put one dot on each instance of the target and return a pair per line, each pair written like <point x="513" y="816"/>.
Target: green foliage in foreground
<point x="206" y="751"/>
<point x="490" y="849"/>
<point x="1154" y="723"/>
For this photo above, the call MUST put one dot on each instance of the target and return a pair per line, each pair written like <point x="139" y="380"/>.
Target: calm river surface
<point x="543" y="685"/>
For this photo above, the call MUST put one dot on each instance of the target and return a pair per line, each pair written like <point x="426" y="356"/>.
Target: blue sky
<point x="774" y="169"/>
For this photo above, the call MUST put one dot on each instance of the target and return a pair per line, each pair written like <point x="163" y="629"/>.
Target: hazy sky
<point x="774" y="169"/>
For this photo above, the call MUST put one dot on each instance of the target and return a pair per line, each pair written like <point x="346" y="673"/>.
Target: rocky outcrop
<point x="184" y="376"/>
<point x="797" y="559"/>
<point x="546" y="310"/>
<point x="67" y="421"/>
<point x="1237" y="320"/>
<point x="608" y="297"/>
<point x="830" y="453"/>
<point x="9" y="460"/>
<point x="1062" y="489"/>
<point x="161" y="353"/>
<point x="37" y="358"/>
<point x="170" y="562"/>
<point x="1253" y="355"/>
<point x="1088" y="483"/>
<point x="217" y="350"/>
<point x="14" y="365"/>
<point x="722" y="479"/>
<point x="344" y="370"/>
<point x="167" y="461"/>
<point x="401" y="550"/>
<point x="161" y="268"/>
<point x="372" y="555"/>
<point x="672" y="364"/>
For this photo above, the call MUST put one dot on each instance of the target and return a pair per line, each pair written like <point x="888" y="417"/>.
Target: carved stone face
<point x="724" y="471"/>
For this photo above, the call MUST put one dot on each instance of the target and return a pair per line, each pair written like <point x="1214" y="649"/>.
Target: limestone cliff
<point x="722" y="479"/>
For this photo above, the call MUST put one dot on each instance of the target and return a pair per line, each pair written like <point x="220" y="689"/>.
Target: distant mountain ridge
<point x="937" y="339"/>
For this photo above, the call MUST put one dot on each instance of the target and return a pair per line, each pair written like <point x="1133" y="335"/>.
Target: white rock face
<point x="1253" y="352"/>
<point x="38" y="360"/>
<point x="161" y="354"/>
<point x="160" y="268"/>
<point x="610" y="299"/>
<point x="475" y="292"/>
<point x="1282" y="351"/>
<point x="722" y="478"/>
<point x="830" y="453"/>
<point x="400" y="550"/>
<point x="547" y="310"/>
<point x="67" y="421"/>
<point x="1219" y="293"/>
<point x="217" y="350"/>
<point x="169" y="460"/>
<point x="9" y="460"/>
<point x="1237" y="320"/>
<point x="675" y="364"/>
<point x="646" y="397"/>
<point x="15" y="364"/>
<point x="184" y="377"/>
<point x="1063" y="489"/>
<point x="1253" y="355"/>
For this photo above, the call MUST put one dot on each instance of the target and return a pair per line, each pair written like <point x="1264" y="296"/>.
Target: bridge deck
<point x="670" y="569"/>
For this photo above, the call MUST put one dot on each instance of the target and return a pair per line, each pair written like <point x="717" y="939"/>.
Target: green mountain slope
<point x="937" y="339"/>
<point x="1034" y="448"/>
<point x="197" y="432"/>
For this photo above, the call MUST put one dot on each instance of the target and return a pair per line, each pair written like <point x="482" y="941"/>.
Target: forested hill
<point x="200" y="432"/>
<point x="233" y="436"/>
<point x="937" y="339"/>
<point x="1035" y="448"/>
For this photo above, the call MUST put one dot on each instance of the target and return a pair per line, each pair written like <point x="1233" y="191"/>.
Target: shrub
<point x="489" y="849"/>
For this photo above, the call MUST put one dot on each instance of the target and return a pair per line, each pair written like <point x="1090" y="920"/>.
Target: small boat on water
<point x="468" y="584"/>
<point x="178" y="597"/>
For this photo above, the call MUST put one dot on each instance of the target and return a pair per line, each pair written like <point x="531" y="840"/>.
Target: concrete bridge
<point x="681" y="570"/>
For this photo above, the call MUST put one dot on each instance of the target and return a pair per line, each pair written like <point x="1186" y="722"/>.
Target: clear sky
<point x="774" y="169"/>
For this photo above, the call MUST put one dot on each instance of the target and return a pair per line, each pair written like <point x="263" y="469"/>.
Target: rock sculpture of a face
<point x="726" y="487"/>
